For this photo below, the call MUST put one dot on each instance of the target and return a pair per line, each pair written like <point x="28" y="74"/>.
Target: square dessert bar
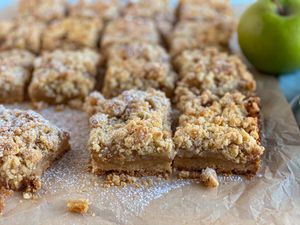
<point x="224" y="135"/>
<point x="29" y="144"/>
<point x="43" y="10"/>
<point x="72" y="33"/>
<point x="195" y="34"/>
<point x="64" y="76"/>
<point x="203" y="10"/>
<point x="105" y="10"/>
<point x="131" y="133"/>
<point x="210" y="70"/>
<point x="21" y="34"/>
<point x="15" y="73"/>
<point x="138" y="66"/>
<point x="159" y="11"/>
<point x="128" y="30"/>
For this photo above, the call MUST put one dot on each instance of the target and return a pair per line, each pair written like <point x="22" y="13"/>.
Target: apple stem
<point x="280" y="7"/>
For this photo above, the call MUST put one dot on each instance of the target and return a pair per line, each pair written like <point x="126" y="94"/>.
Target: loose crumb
<point x="78" y="206"/>
<point x="4" y="194"/>
<point x="209" y="178"/>
<point x="27" y="195"/>
<point x="39" y="105"/>
<point x="122" y="180"/>
<point x="59" y="108"/>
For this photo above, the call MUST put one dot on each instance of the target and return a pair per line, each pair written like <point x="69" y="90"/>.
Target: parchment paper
<point x="272" y="197"/>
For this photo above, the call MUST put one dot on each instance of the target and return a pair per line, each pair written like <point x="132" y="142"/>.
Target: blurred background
<point x="289" y="83"/>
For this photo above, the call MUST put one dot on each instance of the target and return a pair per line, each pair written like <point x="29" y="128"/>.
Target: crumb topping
<point x="68" y="33"/>
<point x="138" y="66"/>
<point x="78" y="206"/>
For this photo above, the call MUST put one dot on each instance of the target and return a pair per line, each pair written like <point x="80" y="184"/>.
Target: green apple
<point x="269" y="35"/>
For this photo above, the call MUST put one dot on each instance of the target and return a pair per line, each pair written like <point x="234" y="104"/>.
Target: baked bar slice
<point x="129" y="30"/>
<point x="15" y="73"/>
<point x="43" y="10"/>
<point x="138" y="66"/>
<point x="224" y="135"/>
<point x="209" y="70"/>
<point x="131" y="133"/>
<point x="21" y="34"/>
<point x="195" y="34"/>
<point x="203" y="10"/>
<point x="102" y="9"/>
<point x="159" y="11"/>
<point x="72" y="33"/>
<point x="64" y="76"/>
<point x="29" y="144"/>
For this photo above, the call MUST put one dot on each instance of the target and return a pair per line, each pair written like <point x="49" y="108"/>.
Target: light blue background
<point x="290" y="84"/>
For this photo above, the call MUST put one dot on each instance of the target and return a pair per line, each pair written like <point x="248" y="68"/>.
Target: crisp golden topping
<point x="209" y="71"/>
<point x="64" y="76"/>
<point x="228" y="126"/>
<point x="44" y="10"/>
<point x="21" y="34"/>
<point x="28" y="145"/>
<point x="4" y="195"/>
<point x="72" y="33"/>
<point x="192" y="34"/>
<point x="203" y="10"/>
<point x="102" y="9"/>
<point x="129" y="30"/>
<point x="133" y="125"/>
<point x="138" y="66"/>
<point x="16" y="57"/>
<point x="78" y="206"/>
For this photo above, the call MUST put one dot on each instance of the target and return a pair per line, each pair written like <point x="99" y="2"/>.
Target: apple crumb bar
<point x="138" y="66"/>
<point x="204" y="10"/>
<point x="72" y="33"/>
<point x="64" y="76"/>
<point x="15" y="73"/>
<point x="43" y="10"/>
<point x="21" y="34"/>
<point x="29" y="145"/>
<point x="195" y="34"/>
<point x="102" y="9"/>
<point x="129" y="30"/>
<point x="223" y="135"/>
<point x="131" y="133"/>
<point x="210" y="70"/>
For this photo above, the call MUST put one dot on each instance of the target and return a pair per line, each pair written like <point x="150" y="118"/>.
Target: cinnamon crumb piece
<point x="209" y="178"/>
<point x="78" y="206"/>
<point x="4" y="194"/>
<point x="27" y="195"/>
<point x="59" y="108"/>
<point x="38" y="105"/>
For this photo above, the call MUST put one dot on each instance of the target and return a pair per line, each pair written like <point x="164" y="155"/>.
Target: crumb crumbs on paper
<point x="59" y="108"/>
<point x="209" y="178"/>
<point x="38" y="105"/>
<point x="30" y="196"/>
<point x="4" y="195"/>
<point x="78" y="206"/>
<point x="122" y="180"/>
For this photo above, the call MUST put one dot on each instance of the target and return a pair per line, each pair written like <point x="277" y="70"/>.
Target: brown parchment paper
<point x="272" y="197"/>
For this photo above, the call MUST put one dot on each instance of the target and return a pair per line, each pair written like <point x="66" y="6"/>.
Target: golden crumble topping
<point x="21" y="34"/>
<point x="228" y="127"/>
<point x="78" y="206"/>
<point x="104" y="9"/>
<point x="15" y="74"/>
<point x="72" y="33"/>
<point x="28" y="146"/>
<point x="203" y="72"/>
<point x="159" y="11"/>
<point x="44" y="10"/>
<point x="192" y="34"/>
<point x="64" y="76"/>
<point x="203" y="10"/>
<point x="134" y="126"/>
<point x="138" y="66"/>
<point x="128" y="30"/>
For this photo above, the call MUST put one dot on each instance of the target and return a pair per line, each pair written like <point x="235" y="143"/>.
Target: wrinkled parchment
<point x="272" y="197"/>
